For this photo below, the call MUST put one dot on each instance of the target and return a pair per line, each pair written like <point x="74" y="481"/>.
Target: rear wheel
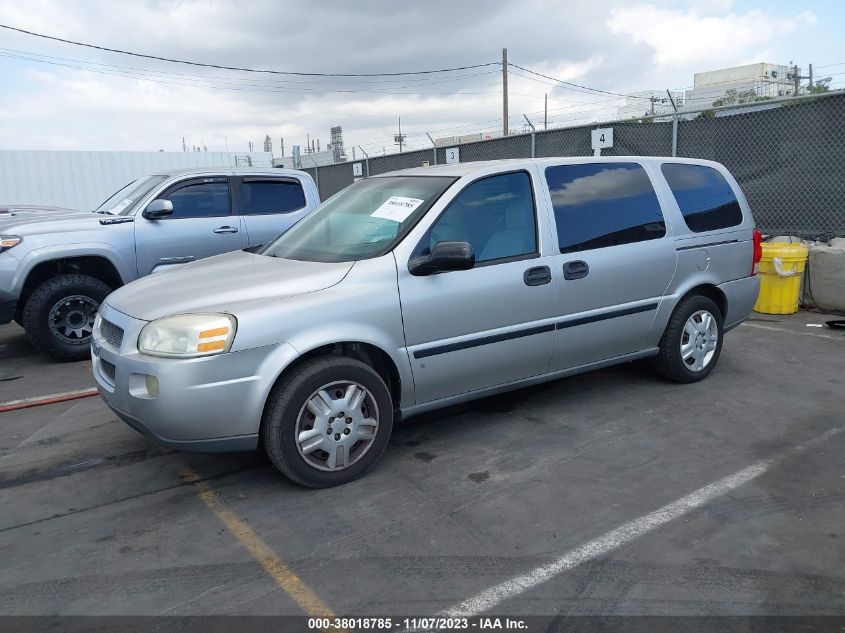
<point x="59" y="315"/>
<point x="328" y="422"/>
<point x="692" y="342"/>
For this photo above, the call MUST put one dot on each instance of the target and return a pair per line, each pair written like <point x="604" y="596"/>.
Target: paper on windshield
<point x="397" y="208"/>
<point x="120" y="206"/>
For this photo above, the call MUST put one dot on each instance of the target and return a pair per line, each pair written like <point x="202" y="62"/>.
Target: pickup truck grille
<point x="113" y="334"/>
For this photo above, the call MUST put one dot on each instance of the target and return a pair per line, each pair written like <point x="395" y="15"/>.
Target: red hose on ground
<point x="27" y="403"/>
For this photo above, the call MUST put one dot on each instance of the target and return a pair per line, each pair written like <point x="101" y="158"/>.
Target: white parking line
<point x="494" y="596"/>
<point x="781" y="329"/>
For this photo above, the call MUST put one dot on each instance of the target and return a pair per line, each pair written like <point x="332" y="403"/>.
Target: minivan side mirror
<point x="444" y="256"/>
<point x="158" y="209"/>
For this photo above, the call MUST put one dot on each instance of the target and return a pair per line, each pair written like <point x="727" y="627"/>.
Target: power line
<point x="191" y="81"/>
<point x="238" y="68"/>
<point x="576" y="86"/>
<point x="203" y="77"/>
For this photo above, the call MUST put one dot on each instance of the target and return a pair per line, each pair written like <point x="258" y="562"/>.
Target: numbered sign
<point x="453" y="155"/>
<point x="602" y="138"/>
<point x="357" y="169"/>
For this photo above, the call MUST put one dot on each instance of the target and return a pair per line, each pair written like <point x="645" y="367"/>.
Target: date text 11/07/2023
<point x="418" y="624"/>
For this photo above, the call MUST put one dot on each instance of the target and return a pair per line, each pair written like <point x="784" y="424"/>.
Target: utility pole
<point x="504" y="92"/>
<point x="797" y="79"/>
<point x="398" y="138"/>
<point x="811" y="78"/>
<point x="282" y="149"/>
<point x="546" y="111"/>
<point x="674" y="124"/>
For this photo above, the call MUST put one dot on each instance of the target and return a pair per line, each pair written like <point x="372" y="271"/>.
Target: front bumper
<point x="203" y="404"/>
<point x="7" y="311"/>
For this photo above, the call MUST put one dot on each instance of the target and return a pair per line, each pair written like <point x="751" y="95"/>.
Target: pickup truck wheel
<point x="328" y="422"/>
<point x="692" y="341"/>
<point x="59" y="315"/>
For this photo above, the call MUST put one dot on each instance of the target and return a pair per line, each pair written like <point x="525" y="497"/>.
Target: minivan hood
<point x="223" y="284"/>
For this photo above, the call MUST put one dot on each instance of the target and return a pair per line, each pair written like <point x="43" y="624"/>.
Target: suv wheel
<point x="59" y="315"/>
<point x="328" y="422"/>
<point x="692" y="341"/>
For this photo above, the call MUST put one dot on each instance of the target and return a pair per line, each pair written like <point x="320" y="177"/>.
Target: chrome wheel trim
<point x="699" y="340"/>
<point x="336" y="426"/>
<point x="71" y="319"/>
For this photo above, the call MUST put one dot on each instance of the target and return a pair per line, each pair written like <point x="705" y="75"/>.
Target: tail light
<point x="758" y="250"/>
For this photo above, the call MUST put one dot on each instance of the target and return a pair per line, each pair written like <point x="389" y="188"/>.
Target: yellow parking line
<point x="269" y="560"/>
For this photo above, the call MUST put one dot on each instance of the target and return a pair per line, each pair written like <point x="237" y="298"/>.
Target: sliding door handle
<point x="575" y="269"/>
<point x="226" y="229"/>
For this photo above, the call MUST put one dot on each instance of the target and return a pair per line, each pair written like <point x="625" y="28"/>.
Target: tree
<point x="821" y="86"/>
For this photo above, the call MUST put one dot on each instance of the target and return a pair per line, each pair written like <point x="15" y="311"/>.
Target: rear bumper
<point x="741" y="295"/>
<point x="7" y="311"/>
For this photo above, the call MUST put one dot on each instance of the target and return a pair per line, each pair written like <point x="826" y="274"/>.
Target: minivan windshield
<point x="367" y="219"/>
<point x="123" y="201"/>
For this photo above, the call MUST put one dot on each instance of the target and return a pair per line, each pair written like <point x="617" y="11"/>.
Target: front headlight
<point x="188" y="335"/>
<point x="8" y="241"/>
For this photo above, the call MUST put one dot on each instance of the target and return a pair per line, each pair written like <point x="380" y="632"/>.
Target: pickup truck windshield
<point x="365" y="220"/>
<point x="123" y="201"/>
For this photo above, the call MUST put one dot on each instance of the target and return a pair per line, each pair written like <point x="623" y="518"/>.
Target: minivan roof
<point x="459" y="170"/>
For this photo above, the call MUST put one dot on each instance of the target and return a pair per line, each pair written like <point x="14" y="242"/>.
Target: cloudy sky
<point x="59" y="96"/>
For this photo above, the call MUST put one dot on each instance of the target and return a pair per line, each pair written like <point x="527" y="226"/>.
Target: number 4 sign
<point x="602" y="137"/>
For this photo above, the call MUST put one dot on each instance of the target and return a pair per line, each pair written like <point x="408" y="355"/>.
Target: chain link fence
<point x="788" y="155"/>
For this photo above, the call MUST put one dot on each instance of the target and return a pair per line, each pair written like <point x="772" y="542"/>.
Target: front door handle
<point x="537" y="276"/>
<point x="226" y="229"/>
<point x="575" y="269"/>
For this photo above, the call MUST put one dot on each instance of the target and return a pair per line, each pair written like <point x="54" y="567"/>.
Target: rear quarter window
<point x="706" y="200"/>
<point x="603" y="204"/>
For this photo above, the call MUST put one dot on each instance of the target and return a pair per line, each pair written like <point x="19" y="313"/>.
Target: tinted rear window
<point x="603" y="204"/>
<point x="704" y="197"/>
<point x="271" y="196"/>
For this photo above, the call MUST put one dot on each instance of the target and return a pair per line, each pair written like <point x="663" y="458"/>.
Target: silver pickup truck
<point x="57" y="265"/>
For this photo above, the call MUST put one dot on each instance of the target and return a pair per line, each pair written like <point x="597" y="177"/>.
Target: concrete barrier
<point x="824" y="280"/>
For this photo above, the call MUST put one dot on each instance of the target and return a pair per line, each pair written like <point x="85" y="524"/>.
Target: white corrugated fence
<point x="82" y="180"/>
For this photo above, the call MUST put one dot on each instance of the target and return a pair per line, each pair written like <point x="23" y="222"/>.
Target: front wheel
<point x="59" y="315"/>
<point x="328" y="422"/>
<point x="692" y="341"/>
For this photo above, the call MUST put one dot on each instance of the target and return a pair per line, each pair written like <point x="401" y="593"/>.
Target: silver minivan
<point x="419" y="289"/>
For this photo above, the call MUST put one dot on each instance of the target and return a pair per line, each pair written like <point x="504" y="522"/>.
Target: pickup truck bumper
<point x="7" y="311"/>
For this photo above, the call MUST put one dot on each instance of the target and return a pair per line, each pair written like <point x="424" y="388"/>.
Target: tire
<point x="288" y="415"/>
<point x="45" y="333"/>
<point x="670" y="362"/>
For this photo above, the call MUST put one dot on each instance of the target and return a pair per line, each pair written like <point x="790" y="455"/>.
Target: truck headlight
<point x="188" y="335"/>
<point x="8" y="241"/>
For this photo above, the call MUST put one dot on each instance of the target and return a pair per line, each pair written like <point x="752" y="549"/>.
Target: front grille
<point x="113" y="334"/>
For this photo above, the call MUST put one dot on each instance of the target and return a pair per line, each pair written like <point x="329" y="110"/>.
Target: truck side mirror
<point x="158" y="209"/>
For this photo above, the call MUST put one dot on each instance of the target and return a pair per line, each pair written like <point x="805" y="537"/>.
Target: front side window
<point x="365" y="220"/>
<point x="200" y="200"/>
<point x="704" y="196"/>
<point x="260" y="197"/>
<point x="603" y="204"/>
<point x="495" y="215"/>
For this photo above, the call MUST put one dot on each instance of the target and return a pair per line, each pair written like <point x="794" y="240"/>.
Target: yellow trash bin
<point x="780" y="273"/>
